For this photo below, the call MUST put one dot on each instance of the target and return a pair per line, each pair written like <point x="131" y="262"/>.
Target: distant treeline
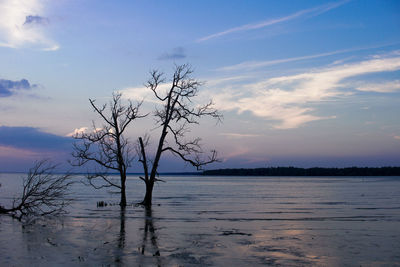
<point x="293" y="171"/>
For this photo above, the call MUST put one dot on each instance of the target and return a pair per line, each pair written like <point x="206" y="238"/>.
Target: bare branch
<point x="104" y="177"/>
<point x="143" y="158"/>
<point x="43" y="193"/>
<point x="100" y="111"/>
<point x="155" y="80"/>
<point x="197" y="161"/>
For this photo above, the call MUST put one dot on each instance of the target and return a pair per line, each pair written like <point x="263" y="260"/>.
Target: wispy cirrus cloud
<point x="288" y="99"/>
<point x="384" y="87"/>
<point x="250" y="65"/>
<point x="22" y="23"/>
<point x="310" y="12"/>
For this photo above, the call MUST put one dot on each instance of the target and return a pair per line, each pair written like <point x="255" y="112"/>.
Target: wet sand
<point x="218" y="221"/>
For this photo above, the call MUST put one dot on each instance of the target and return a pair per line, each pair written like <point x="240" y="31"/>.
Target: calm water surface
<point x="216" y="221"/>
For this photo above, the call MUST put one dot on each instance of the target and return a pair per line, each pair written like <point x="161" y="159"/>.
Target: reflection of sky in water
<point x="218" y="221"/>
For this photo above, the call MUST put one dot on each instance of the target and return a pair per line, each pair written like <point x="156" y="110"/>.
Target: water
<point x="217" y="221"/>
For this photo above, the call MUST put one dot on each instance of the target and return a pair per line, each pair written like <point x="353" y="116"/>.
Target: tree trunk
<point x="122" y="203"/>
<point x="123" y="194"/>
<point x="150" y="182"/>
<point x="149" y="193"/>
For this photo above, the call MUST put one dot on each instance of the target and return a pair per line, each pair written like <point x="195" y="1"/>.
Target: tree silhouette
<point x="176" y="114"/>
<point x="43" y="193"/>
<point x="107" y="146"/>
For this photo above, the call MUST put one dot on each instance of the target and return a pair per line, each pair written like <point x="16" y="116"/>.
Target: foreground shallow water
<point x="216" y="221"/>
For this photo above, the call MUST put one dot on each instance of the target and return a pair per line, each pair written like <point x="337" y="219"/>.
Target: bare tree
<point x="107" y="146"/>
<point x="175" y="116"/>
<point x="43" y="192"/>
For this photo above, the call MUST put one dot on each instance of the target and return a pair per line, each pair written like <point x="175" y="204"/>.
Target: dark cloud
<point x="8" y="87"/>
<point x="177" y="53"/>
<point x="33" y="139"/>
<point x="29" y="20"/>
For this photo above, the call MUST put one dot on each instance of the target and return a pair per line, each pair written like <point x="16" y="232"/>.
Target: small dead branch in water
<point x="51" y="242"/>
<point x="101" y="204"/>
<point x="234" y="232"/>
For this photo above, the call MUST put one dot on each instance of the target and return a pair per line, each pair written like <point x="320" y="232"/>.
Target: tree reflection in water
<point x="119" y="249"/>
<point x="150" y="237"/>
<point x="121" y="237"/>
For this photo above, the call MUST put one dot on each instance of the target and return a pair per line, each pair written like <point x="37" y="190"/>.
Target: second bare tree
<point x="175" y="116"/>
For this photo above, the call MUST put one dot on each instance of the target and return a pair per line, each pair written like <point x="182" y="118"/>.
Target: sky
<point x="299" y="83"/>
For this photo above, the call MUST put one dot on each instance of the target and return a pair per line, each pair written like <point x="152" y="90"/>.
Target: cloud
<point x="239" y="135"/>
<point x="7" y="151"/>
<point x="175" y="54"/>
<point x="8" y="87"/>
<point x="397" y="137"/>
<point x="79" y="131"/>
<point x="260" y="64"/>
<point x="385" y="87"/>
<point x="36" y="20"/>
<point x="21" y="146"/>
<point x="249" y="65"/>
<point x="22" y="24"/>
<point x="236" y="152"/>
<point x="29" y="138"/>
<point x="143" y="93"/>
<point x="311" y="12"/>
<point x="136" y="93"/>
<point x="15" y="159"/>
<point x="288" y="99"/>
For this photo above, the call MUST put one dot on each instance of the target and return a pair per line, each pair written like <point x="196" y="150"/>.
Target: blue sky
<point x="300" y="83"/>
